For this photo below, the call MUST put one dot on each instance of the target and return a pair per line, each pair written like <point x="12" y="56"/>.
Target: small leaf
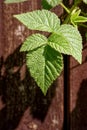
<point x="77" y="1"/>
<point x="50" y="3"/>
<point x="75" y="18"/>
<point x="14" y="1"/>
<point x="45" y="65"/>
<point x="45" y="5"/>
<point x="68" y="41"/>
<point x="80" y="19"/>
<point x="75" y="13"/>
<point x="85" y="1"/>
<point x="34" y="41"/>
<point x="42" y="20"/>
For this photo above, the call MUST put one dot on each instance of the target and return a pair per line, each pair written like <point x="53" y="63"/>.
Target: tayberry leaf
<point x="67" y="40"/>
<point x="80" y="19"/>
<point x="42" y="20"/>
<point x="48" y="4"/>
<point x="43" y="62"/>
<point x="34" y="41"/>
<point x="75" y="18"/>
<point x="14" y="1"/>
<point x="45" y="65"/>
<point x="77" y="1"/>
<point x="85" y="1"/>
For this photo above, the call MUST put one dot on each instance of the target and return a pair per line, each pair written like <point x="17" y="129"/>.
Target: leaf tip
<point x="44" y="91"/>
<point x="21" y="50"/>
<point x="15" y="16"/>
<point x="80" y="62"/>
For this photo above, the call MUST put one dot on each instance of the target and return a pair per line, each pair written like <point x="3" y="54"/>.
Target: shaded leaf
<point x="48" y="4"/>
<point x="45" y="5"/>
<point x="42" y="20"/>
<point x="77" y="1"/>
<point x="68" y="41"/>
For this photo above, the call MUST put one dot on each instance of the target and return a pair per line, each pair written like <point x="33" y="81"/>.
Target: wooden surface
<point x="78" y="86"/>
<point x="78" y="93"/>
<point x="23" y="106"/>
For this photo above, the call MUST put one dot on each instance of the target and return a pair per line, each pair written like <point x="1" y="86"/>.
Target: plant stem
<point x="67" y="20"/>
<point x="67" y="10"/>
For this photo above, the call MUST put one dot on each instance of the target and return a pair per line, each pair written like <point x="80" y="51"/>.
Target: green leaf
<point x="68" y="41"/>
<point x="14" y="1"/>
<point x="77" y="1"/>
<point x="75" y="13"/>
<point x="42" y="20"/>
<point x="75" y="18"/>
<point x="34" y="41"/>
<point x="80" y="19"/>
<point x="47" y="4"/>
<point x="85" y="1"/>
<point x="45" y="65"/>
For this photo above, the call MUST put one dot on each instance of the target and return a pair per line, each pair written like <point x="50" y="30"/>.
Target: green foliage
<point x="45" y="65"/>
<point x="42" y="20"/>
<point x="48" y="4"/>
<point x="80" y="19"/>
<point x="44" y="55"/>
<point x="67" y="40"/>
<point x="14" y="1"/>
<point x="75" y="18"/>
<point x="42" y="59"/>
<point x="34" y="41"/>
<point x="85" y="1"/>
<point x="77" y="1"/>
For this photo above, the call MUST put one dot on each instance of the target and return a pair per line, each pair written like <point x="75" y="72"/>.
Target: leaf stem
<point x="67" y="10"/>
<point x="67" y="20"/>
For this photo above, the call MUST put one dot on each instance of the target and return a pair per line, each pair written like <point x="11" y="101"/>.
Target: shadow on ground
<point x="18" y="91"/>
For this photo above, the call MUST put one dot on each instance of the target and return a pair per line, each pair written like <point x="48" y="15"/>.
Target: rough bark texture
<point x="22" y="105"/>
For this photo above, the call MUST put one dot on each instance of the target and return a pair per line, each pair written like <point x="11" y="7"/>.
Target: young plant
<point x="44" y="54"/>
